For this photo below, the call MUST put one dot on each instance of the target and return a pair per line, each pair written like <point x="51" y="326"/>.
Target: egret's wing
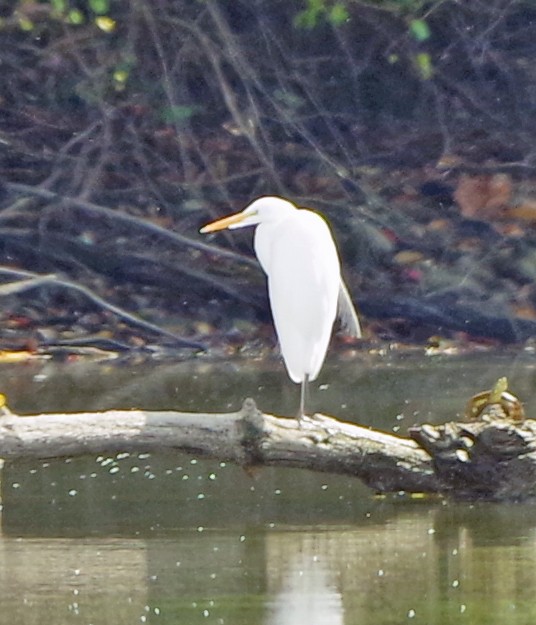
<point x="346" y="312"/>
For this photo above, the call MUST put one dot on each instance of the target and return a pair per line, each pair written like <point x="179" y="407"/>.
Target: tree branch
<point x="248" y="438"/>
<point x="493" y="459"/>
<point x="32" y="280"/>
<point x="173" y="238"/>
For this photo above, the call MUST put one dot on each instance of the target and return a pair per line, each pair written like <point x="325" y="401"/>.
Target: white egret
<point x="296" y="251"/>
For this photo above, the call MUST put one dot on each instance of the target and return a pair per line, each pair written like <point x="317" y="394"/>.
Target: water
<point x="170" y="538"/>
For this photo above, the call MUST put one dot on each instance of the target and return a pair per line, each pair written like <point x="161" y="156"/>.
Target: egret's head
<point x="261" y="210"/>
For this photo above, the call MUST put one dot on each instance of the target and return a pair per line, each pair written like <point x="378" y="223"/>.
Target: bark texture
<point x="491" y="459"/>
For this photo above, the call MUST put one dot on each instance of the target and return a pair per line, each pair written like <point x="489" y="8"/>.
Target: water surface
<point x="175" y="539"/>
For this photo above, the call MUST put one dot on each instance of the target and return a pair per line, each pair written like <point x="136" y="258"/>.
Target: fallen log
<point x="492" y="459"/>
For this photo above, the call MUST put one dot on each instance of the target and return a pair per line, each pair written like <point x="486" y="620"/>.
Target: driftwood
<point x="489" y="459"/>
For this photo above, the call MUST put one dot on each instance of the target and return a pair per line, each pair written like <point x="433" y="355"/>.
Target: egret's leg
<point x="303" y="393"/>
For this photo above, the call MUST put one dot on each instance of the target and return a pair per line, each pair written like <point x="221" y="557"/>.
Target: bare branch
<point x="173" y="237"/>
<point x="493" y="458"/>
<point x="248" y="438"/>
<point x="33" y="280"/>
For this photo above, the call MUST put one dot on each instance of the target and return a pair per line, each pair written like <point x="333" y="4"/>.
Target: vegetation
<point x="235" y="98"/>
<point x="162" y="108"/>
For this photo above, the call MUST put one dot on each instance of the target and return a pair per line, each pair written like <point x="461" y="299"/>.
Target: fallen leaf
<point x="525" y="211"/>
<point x="483" y="196"/>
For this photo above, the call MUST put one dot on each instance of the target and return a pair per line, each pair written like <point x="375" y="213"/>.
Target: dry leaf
<point x="525" y="211"/>
<point x="483" y="196"/>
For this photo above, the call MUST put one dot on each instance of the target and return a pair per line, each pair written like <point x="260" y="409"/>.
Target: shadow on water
<point x="176" y="539"/>
<point x="381" y="390"/>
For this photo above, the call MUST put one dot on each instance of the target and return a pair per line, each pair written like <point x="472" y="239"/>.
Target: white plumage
<point x="297" y="252"/>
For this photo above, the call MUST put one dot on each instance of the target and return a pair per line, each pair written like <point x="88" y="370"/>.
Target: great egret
<point x="297" y="252"/>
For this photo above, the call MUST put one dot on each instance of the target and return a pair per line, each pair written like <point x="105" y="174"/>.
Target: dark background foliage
<point x="176" y="110"/>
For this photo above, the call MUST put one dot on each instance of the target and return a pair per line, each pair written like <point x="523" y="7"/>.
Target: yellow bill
<point x="221" y="224"/>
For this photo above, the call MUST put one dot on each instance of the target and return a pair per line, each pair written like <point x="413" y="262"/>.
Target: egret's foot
<point x="303" y="419"/>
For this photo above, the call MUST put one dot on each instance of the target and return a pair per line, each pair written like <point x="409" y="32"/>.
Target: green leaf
<point x="59" y="6"/>
<point x="76" y="17"/>
<point x="308" y="18"/>
<point x="420" y="30"/>
<point x="338" y="14"/>
<point x="25" y="24"/>
<point x="424" y="65"/>
<point x="105" y="23"/>
<point x="178" y="113"/>
<point x="99" y="7"/>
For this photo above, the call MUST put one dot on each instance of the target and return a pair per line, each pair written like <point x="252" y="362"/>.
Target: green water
<point x="173" y="539"/>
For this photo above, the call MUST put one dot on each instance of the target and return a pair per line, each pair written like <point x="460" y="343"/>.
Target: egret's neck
<point x="264" y="236"/>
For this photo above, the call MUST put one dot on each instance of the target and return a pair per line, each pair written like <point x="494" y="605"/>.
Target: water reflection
<point x="65" y="581"/>
<point x="178" y="540"/>
<point x="302" y="576"/>
<point x="423" y="564"/>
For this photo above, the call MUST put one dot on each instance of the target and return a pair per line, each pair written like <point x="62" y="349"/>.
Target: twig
<point x="173" y="237"/>
<point x="32" y="280"/>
